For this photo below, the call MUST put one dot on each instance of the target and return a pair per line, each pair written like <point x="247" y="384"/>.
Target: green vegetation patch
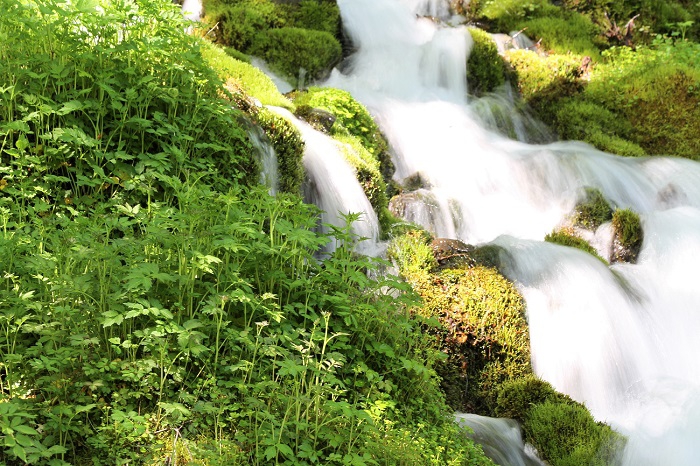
<point x="297" y="53"/>
<point x="628" y="235"/>
<point x="507" y="15"/>
<point x="593" y="210"/>
<point x="562" y="430"/>
<point x="289" y="148"/>
<point x="572" y="33"/>
<point x="486" y="70"/>
<point x="246" y="78"/>
<point x="565" y="238"/>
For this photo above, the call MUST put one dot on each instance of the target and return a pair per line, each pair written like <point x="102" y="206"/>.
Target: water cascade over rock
<point x="621" y="339"/>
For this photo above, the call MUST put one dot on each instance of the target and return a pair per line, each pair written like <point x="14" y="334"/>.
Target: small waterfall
<point x="621" y="339"/>
<point x="332" y="184"/>
<point x="501" y="440"/>
<point x="267" y="158"/>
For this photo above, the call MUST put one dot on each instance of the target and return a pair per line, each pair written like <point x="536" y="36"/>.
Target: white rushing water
<point x="621" y="339"/>
<point x="332" y="185"/>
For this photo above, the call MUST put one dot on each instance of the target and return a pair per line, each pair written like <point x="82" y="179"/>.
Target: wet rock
<point x="320" y="119"/>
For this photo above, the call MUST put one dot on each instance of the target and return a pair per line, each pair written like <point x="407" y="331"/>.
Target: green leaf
<point x="26" y="430"/>
<point x="270" y="452"/>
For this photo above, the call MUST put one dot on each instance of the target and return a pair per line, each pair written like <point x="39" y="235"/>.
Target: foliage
<point x="244" y="77"/>
<point x="628" y="235"/>
<point x="289" y="148"/>
<point x="155" y="307"/>
<point x="565" y="238"/>
<point x="297" y="52"/>
<point x="593" y="210"/>
<point x="485" y="67"/>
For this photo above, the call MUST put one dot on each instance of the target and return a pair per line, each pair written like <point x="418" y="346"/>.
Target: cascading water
<point x="622" y="339"/>
<point x="332" y="184"/>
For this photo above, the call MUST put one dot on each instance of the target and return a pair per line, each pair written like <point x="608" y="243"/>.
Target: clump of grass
<point x="628" y="235"/>
<point x="485" y="68"/>
<point x="593" y="210"/>
<point x="564" y="238"/>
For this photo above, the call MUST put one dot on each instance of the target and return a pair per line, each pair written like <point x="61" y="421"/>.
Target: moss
<point x="239" y="23"/>
<point x="289" y="147"/>
<point x="593" y="210"/>
<point x="565" y="238"/>
<point x="566" y="435"/>
<point x="562" y="430"/>
<point x="319" y="15"/>
<point x="583" y="120"/>
<point x="572" y="33"/>
<point x="483" y="317"/>
<point x="351" y="118"/>
<point x="485" y="68"/>
<point x="290" y="50"/>
<point x="628" y="235"/>
<point x="507" y="15"/>
<point x="367" y="170"/>
<point x="544" y="80"/>
<point x="244" y="76"/>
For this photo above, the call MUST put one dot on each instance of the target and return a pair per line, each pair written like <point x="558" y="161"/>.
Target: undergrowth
<point x="156" y="306"/>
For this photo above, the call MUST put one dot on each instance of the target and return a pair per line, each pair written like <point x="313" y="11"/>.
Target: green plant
<point x="297" y="53"/>
<point x="572" y="33"/>
<point x="507" y="15"/>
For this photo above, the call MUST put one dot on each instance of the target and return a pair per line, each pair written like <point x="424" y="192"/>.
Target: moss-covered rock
<point x="627" y="236"/>
<point x="543" y="80"/>
<point x="486" y="70"/>
<point x="243" y="77"/>
<point x="483" y="318"/>
<point x="567" y="238"/>
<point x="353" y="118"/>
<point x="297" y="53"/>
<point x="289" y="147"/>
<point x="592" y="211"/>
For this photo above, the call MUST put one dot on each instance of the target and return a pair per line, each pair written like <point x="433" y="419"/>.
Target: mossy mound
<point x="289" y="147"/>
<point x="628" y="236"/>
<point x="244" y="77"/>
<point x="483" y="317"/>
<point x="593" y="210"/>
<point x="300" y="54"/>
<point x="566" y="238"/>
<point x="352" y="118"/>
<point x="562" y="430"/>
<point x="486" y="70"/>
<point x="295" y="38"/>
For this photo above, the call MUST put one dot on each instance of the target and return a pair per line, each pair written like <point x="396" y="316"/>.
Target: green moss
<point x="351" y="116"/>
<point x="290" y="50"/>
<point x="564" y="238"/>
<point x="593" y="210"/>
<point x="485" y="331"/>
<point x="245" y="76"/>
<point x="319" y="15"/>
<point x="566" y="435"/>
<point x="485" y="68"/>
<point x="657" y="90"/>
<point x="289" y="147"/>
<point x="240" y="22"/>
<point x="543" y="80"/>
<point x="584" y="120"/>
<point x="507" y="15"/>
<point x="628" y="235"/>
<point x="572" y="33"/>
<point x="367" y="170"/>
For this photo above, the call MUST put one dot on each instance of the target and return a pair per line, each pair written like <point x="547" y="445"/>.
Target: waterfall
<point x="621" y="339"/>
<point x="269" y="168"/>
<point x="332" y="185"/>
